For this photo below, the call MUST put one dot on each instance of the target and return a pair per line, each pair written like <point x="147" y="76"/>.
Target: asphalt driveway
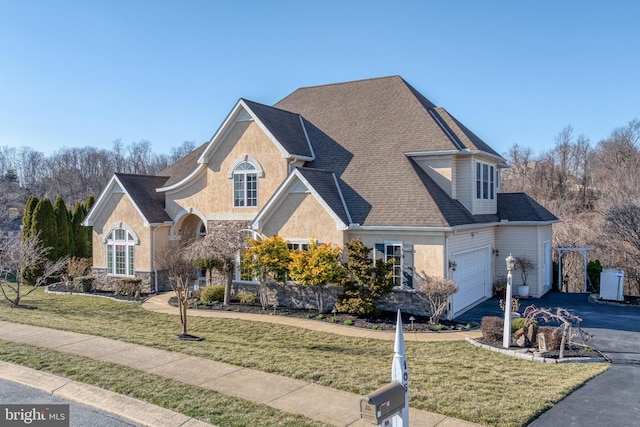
<point x="611" y="399"/>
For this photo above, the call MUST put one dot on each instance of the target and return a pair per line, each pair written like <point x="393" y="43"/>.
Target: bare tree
<point x="224" y="242"/>
<point x="437" y="291"/>
<point x="177" y="262"/>
<point x="18" y="256"/>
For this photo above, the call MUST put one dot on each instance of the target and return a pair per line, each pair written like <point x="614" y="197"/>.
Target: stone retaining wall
<point x="292" y="295"/>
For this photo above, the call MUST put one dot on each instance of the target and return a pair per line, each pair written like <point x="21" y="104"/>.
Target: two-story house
<point x="371" y="159"/>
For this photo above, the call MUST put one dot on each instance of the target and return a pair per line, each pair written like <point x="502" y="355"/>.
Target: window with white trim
<point x="120" y="246"/>
<point x="298" y="246"/>
<point x="245" y="185"/>
<point x="485" y="181"/>
<point x="393" y="252"/>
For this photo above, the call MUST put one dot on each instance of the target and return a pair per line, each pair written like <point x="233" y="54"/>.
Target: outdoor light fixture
<point x="453" y="265"/>
<point x="495" y="251"/>
<point x="511" y="263"/>
<point x="412" y="319"/>
<point x="506" y="332"/>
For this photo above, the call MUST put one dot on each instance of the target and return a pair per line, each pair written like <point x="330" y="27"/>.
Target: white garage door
<point x="472" y="276"/>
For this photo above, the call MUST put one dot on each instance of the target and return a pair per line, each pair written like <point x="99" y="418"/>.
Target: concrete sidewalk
<point x="160" y="304"/>
<point x="314" y="401"/>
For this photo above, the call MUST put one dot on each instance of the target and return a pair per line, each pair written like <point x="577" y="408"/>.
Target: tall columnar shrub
<point x="43" y="223"/>
<point x="88" y="231"/>
<point x="27" y="217"/>
<point x="80" y="241"/>
<point x="63" y="246"/>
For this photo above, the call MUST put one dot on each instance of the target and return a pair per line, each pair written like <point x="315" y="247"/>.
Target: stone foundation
<point x="108" y="283"/>
<point x="292" y="295"/>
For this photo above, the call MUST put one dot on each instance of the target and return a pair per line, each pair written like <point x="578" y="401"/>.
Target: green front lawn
<point x="450" y="378"/>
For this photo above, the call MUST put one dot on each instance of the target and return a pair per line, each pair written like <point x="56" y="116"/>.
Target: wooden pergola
<point x="585" y="254"/>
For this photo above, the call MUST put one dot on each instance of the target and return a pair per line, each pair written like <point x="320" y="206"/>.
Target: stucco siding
<point x="300" y="217"/>
<point x="118" y="207"/>
<point x="212" y="193"/>
<point x="427" y="250"/>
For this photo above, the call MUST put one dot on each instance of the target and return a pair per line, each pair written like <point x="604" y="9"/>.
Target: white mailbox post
<point x="400" y="374"/>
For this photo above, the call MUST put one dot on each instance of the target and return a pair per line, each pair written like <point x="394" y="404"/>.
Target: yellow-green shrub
<point x="212" y="293"/>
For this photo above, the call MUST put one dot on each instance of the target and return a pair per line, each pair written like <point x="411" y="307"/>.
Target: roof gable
<point x="323" y="185"/>
<point x="141" y="191"/>
<point x="285" y="129"/>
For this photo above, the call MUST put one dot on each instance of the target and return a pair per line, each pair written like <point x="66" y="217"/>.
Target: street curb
<point x="134" y="410"/>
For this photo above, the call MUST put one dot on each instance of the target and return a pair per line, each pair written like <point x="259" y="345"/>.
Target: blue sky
<point x="85" y="73"/>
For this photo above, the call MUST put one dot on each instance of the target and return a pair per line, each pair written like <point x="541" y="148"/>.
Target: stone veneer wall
<point x="108" y="283"/>
<point x="292" y="295"/>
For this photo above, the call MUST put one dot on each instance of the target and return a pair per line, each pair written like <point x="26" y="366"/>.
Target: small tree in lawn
<point x="268" y="258"/>
<point x="366" y="280"/>
<point x="437" y="291"/>
<point x="317" y="267"/>
<point x="20" y="256"/>
<point x="177" y="263"/>
<point x="223" y="243"/>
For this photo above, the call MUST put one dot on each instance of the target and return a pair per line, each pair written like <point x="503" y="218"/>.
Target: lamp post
<point x="506" y="333"/>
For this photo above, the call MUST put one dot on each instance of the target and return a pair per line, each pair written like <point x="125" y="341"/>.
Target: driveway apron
<point x="612" y="398"/>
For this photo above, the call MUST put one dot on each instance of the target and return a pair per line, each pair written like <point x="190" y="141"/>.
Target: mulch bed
<point x="385" y="321"/>
<point x="70" y="289"/>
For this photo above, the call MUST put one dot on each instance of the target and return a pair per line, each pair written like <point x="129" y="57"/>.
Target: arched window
<point x="245" y="185"/>
<point x="120" y="252"/>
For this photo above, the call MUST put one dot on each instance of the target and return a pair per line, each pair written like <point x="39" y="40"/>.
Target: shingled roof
<point x="361" y="131"/>
<point x="327" y="188"/>
<point x="285" y="126"/>
<point x="142" y="190"/>
<point x="183" y="167"/>
<point x="521" y="207"/>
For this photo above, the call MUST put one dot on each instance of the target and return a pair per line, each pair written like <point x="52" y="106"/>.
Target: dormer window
<point x="245" y="185"/>
<point x="485" y="181"/>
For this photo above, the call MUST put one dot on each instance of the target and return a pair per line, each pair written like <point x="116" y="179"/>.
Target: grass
<point x="198" y="403"/>
<point x="450" y="378"/>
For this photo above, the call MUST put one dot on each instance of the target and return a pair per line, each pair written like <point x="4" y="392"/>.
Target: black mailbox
<point x="383" y="403"/>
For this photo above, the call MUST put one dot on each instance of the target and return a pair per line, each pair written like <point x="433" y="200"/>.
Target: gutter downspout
<point x="448" y="274"/>
<point x="153" y="257"/>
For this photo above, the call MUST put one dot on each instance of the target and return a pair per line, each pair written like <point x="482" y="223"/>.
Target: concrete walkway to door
<point x="612" y="398"/>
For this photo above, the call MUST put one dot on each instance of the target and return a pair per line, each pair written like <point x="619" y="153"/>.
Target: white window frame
<point x="251" y="171"/>
<point x="112" y="245"/>
<point x="398" y="269"/>
<point x="298" y="245"/>
<point x="485" y="178"/>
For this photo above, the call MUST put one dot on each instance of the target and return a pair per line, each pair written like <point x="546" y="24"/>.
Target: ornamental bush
<point x="84" y="283"/>
<point x="492" y="328"/>
<point x="211" y="294"/>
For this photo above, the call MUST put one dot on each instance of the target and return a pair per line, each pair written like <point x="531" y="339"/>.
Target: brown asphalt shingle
<point x="142" y="189"/>
<point x="361" y="131"/>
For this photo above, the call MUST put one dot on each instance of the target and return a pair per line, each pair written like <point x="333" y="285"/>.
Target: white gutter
<point x="153" y="257"/>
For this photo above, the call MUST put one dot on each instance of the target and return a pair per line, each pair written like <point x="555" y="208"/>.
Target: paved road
<point x="611" y="399"/>
<point x="79" y="415"/>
